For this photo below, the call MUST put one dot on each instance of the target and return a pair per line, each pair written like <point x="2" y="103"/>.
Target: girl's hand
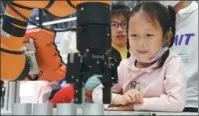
<point x="132" y="96"/>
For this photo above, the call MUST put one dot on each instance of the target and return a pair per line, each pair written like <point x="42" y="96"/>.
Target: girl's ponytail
<point x="173" y="24"/>
<point x="173" y="30"/>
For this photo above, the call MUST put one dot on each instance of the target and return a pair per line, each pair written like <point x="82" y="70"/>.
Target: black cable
<point x="69" y="2"/>
<point x="40" y="17"/>
<point x="41" y="26"/>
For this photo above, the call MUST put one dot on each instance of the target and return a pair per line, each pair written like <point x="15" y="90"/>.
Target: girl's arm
<point x="97" y="93"/>
<point x="175" y="89"/>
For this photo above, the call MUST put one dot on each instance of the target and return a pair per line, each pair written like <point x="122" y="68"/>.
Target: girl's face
<point x="145" y="36"/>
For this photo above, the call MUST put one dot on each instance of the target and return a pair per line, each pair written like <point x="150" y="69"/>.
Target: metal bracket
<point x="30" y="51"/>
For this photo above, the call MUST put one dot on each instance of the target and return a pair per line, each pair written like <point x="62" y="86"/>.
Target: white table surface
<point x="79" y="112"/>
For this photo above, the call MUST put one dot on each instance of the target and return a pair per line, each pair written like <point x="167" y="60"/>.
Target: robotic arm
<point x="32" y="54"/>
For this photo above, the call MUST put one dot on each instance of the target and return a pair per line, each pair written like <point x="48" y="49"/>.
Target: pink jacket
<point x="163" y="89"/>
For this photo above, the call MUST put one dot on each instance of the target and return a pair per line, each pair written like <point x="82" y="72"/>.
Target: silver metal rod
<point x="12" y="95"/>
<point x="42" y="109"/>
<point x="22" y="109"/>
<point x="93" y="109"/>
<point x="54" y="22"/>
<point x="6" y="96"/>
<point x="17" y="91"/>
<point x="66" y="109"/>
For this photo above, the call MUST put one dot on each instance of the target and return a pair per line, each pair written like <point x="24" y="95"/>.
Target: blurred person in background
<point x="186" y="45"/>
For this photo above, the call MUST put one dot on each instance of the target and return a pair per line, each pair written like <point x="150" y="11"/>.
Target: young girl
<point x="152" y="78"/>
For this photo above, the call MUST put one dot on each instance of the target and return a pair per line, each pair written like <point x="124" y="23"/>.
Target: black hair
<point x="120" y="9"/>
<point x="165" y="16"/>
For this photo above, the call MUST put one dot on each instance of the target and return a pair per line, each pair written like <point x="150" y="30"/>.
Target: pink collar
<point x="132" y="66"/>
